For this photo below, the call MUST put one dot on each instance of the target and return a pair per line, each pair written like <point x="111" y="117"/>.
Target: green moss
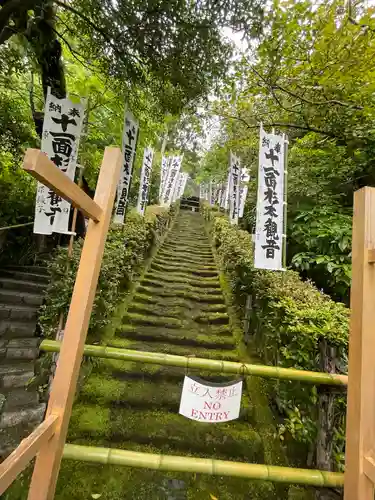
<point x="91" y="419"/>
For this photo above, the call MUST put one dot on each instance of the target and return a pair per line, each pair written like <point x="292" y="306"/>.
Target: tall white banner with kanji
<point x="245" y="178"/>
<point x="129" y="143"/>
<point x="62" y="129"/>
<point x="145" y="180"/>
<point x="170" y="183"/>
<point x="234" y="188"/>
<point x="180" y="185"/>
<point x="224" y="202"/>
<point x="165" y="164"/>
<point x="270" y="203"/>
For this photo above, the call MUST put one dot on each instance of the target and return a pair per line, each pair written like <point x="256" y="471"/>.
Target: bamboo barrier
<point x="189" y="363"/>
<point x="276" y="474"/>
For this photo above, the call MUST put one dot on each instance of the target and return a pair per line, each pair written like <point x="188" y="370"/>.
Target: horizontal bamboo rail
<point x="318" y="378"/>
<point x="113" y="456"/>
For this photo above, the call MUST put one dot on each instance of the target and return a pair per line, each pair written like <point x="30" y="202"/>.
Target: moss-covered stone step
<point x="142" y="394"/>
<point x="140" y="300"/>
<point x="176" y="306"/>
<point x="166" y="431"/>
<point x="190" y="294"/>
<point x="193" y="288"/>
<point x="184" y="265"/>
<point x="192" y="281"/>
<point x="197" y="251"/>
<point x="184" y="270"/>
<point x="176" y="337"/>
<point x="140" y="319"/>
<point x="158" y="309"/>
<point x="178" y="350"/>
<point x="185" y="256"/>
<point x="127" y="483"/>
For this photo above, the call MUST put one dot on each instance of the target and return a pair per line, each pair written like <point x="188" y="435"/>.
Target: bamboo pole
<point x="360" y="421"/>
<point x="16" y="225"/>
<point x="214" y="365"/>
<point x="276" y="474"/>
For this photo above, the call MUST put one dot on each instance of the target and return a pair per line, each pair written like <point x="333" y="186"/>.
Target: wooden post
<point x="47" y="464"/>
<point x="360" y="422"/>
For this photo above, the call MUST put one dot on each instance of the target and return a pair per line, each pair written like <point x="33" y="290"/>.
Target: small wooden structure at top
<point x="48" y="439"/>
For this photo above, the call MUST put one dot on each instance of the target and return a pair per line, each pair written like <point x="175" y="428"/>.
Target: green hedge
<point x="289" y="320"/>
<point x="126" y="249"/>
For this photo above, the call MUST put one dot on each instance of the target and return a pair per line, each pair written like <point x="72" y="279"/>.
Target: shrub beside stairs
<point x="178" y="308"/>
<point x="21" y="294"/>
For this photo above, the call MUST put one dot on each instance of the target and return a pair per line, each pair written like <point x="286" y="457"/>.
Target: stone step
<point x="25" y="286"/>
<point x="185" y="265"/>
<point x="22" y="417"/>
<point x="19" y="349"/>
<point x="32" y="277"/>
<point x="142" y="301"/>
<point x="185" y="258"/>
<point x="20" y="398"/>
<point x="213" y="298"/>
<point x="30" y="269"/>
<point x="176" y="349"/>
<point x="15" y="375"/>
<point x="166" y="431"/>
<point x="196" y="281"/>
<point x="20" y="297"/>
<point x="192" y="338"/>
<point x="192" y="287"/>
<point x="11" y="329"/>
<point x="139" y="319"/>
<point x="181" y="270"/>
<point x="17" y="312"/>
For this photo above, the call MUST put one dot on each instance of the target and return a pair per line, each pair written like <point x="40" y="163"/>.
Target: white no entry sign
<point x="208" y="402"/>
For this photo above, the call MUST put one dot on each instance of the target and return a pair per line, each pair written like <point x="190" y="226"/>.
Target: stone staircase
<point x="178" y="308"/>
<point x="21" y="294"/>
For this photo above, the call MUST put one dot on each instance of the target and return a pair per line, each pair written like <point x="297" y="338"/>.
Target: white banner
<point x="171" y="180"/>
<point x="270" y="203"/>
<point x="225" y="198"/>
<point x="145" y="180"/>
<point x="180" y="185"/>
<point x="208" y="402"/>
<point x="245" y="178"/>
<point x="129" y="143"/>
<point x="234" y="191"/>
<point x="165" y="163"/>
<point x="62" y="129"/>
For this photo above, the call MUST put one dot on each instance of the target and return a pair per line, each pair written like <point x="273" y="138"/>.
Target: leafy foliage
<point x="289" y="319"/>
<point x="125" y="250"/>
<point x="310" y="76"/>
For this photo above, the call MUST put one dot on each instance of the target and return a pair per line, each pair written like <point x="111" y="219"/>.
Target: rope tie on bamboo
<point x="244" y="370"/>
<point x="187" y="363"/>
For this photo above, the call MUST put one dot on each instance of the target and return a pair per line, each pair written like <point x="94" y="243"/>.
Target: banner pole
<point x="285" y="201"/>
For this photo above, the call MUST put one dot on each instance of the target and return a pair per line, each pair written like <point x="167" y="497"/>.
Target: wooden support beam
<point x="44" y="170"/>
<point x="43" y="483"/>
<point x="369" y="468"/>
<point x="371" y="255"/>
<point x="26" y="451"/>
<point x="360" y="421"/>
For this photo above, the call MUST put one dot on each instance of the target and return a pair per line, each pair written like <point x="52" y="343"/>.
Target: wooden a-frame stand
<point x="47" y="441"/>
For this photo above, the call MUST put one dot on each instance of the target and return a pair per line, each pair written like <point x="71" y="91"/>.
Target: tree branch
<point x="99" y="30"/>
<point x="351" y="19"/>
<point x="278" y="124"/>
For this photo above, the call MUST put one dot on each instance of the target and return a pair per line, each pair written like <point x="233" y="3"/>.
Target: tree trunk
<point x="324" y="447"/>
